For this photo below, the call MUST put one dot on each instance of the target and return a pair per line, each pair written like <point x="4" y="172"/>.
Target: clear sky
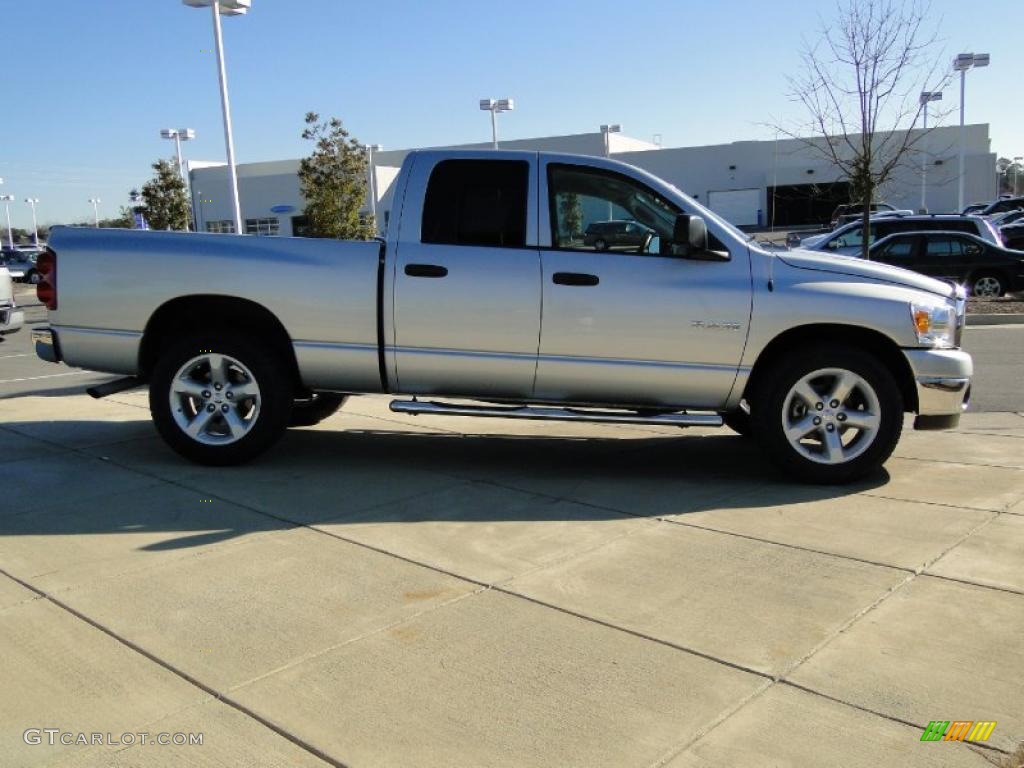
<point x="88" y="84"/>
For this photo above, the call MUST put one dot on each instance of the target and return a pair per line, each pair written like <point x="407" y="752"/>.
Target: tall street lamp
<point x="605" y="131"/>
<point x="7" y="200"/>
<point x="95" y="210"/>
<point x="926" y="96"/>
<point x="225" y="8"/>
<point x="179" y="135"/>
<point x="370" y="149"/>
<point x="961" y="64"/>
<point x="33" y="201"/>
<point x="494" y="106"/>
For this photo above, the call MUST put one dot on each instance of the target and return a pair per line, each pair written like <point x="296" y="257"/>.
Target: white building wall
<point x="740" y="165"/>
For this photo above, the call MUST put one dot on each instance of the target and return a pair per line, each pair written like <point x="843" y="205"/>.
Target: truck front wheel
<point x="828" y="414"/>
<point x="219" y="399"/>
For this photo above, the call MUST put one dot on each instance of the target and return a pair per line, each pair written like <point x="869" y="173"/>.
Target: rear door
<point x="467" y="278"/>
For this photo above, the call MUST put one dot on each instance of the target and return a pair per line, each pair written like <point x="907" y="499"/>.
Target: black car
<point x="986" y="269"/>
<point x="616" y="235"/>
<point x="1002" y="206"/>
<point x="1013" y="236"/>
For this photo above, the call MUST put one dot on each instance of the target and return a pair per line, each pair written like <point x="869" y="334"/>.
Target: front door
<point x="628" y="325"/>
<point x="467" y="280"/>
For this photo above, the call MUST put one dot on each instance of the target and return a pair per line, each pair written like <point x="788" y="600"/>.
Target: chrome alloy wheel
<point x="215" y="399"/>
<point x="831" y="416"/>
<point x="988" y="287"/>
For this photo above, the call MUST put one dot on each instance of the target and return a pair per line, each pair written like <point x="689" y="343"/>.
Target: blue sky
<point x="89" y="83"/>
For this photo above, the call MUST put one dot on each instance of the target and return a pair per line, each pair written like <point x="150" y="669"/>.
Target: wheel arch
<point x="873" y="342"/>
<point x="186" y="314"/>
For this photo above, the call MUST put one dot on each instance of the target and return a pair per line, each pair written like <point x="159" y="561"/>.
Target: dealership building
<point x="754" y="184"/>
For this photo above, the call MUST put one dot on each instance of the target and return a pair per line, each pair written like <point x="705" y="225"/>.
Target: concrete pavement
<point x="387" y="590"/>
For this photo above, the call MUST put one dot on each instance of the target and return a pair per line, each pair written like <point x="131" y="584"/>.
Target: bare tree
<point x="861" y="89"/>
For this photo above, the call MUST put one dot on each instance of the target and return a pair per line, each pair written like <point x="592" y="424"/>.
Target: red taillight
<point x="46" y="288"/>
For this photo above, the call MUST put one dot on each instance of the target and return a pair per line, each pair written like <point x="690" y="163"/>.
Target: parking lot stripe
<point x="50" y="376"/>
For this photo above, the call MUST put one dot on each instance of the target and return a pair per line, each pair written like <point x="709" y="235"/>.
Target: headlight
<point x="935" y="326"/>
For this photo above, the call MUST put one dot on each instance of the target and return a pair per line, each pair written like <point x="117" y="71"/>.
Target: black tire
<point x="739" y="422"/>
<point x="313" y="410"/>
<point x="267" y="423"/>
<point x="600" y="245"/>
<point x="32" y="276"/>
<point x="867" y="450"/>
<point x="991" y="289"/>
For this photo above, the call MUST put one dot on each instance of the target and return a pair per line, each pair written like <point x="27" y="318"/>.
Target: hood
<point x="872" y="270"/>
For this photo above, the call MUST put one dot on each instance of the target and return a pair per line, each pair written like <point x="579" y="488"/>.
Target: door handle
<point x="574" y="278"/>
<point x="425" y="270"/>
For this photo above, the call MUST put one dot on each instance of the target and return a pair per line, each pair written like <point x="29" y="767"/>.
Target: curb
<point x="1007" y="319"/>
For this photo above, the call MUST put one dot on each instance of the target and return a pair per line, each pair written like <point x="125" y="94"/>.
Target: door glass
<point x="476" y="202"/>
<point x="606" y="211"/>
<point x="897" y="250"/>
<point x="940" y="247"/>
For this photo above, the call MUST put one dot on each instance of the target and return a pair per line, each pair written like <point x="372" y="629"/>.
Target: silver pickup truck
<point x="485" y="289"/>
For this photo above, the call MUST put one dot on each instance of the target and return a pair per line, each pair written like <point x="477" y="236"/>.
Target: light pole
<point x="95" y="210"/>
<point x="8" y="199"/>
<point x="370" y="149"/>
<point x="226" y="8"/>
<point x="33" y="201"/>
<point x="605" y="131"/>
<point x="1016" y="165"/>
<point x="926" y="96"/>
<point x="961" y="64"/>
<point x="494" y="106"/>
<point x="179" y="135"/>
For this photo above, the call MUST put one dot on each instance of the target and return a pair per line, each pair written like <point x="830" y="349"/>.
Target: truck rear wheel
<point x="312" y="410"/>
<point x="828" y="414"/>
<point x="219" y="399"/>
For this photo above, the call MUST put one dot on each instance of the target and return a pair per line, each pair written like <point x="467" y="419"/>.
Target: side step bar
<point x="417" y="407"/>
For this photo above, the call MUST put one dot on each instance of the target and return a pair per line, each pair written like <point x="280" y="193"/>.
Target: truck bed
<point x="324" y="292"/>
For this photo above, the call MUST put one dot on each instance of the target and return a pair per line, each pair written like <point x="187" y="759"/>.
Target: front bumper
<point x="46" y="344"/>
<point x="11" y="320"/>
<point x="943" y="381"/>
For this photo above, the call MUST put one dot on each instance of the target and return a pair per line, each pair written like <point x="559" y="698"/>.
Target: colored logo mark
<point x="958" y="730"/>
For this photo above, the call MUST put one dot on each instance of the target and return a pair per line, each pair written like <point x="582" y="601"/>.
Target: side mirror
<point x="690" y="240"/>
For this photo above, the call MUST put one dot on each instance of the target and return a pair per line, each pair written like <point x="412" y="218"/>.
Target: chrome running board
<point x="418" y="407"/>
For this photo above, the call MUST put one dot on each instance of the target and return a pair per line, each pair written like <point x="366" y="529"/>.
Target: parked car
<point x="849" y="239"/>
<point x="1003" y="205"/>
<point x="986" y="269"/>
<point x="1013" y="236"/>
<point x="843" y="214"/>
<point x="11" y="318"/>
<point x="1008" y="217"/>
<point x="21" y="263"/>
<point x="817" y="357"/>
<point x="974" y="209"/>
<point x="616" y="235"/>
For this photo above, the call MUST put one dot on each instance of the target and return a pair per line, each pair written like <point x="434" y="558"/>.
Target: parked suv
<point x="986" y="269"/>
<point x="11" y="318"/>
<point x="616" y="235"/>
<point x="849" y="239"/>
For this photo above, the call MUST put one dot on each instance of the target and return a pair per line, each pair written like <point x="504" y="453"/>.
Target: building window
<point x="221" y="227"/>
<point x="268" y="226"/>
<point x="301" y="227"/>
